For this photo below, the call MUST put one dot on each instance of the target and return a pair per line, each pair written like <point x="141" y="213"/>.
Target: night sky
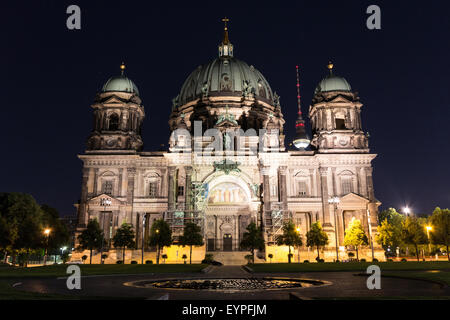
<point x="51" y="75"/>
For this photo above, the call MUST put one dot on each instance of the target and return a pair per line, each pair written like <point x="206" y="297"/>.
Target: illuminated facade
<point x="227" y="164"/>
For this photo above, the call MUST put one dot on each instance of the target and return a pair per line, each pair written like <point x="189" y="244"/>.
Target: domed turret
<point x="332" y="82"/>
<point x="120" y="83"/>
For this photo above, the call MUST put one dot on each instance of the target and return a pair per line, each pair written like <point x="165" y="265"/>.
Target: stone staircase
<point x="232" y="258"/>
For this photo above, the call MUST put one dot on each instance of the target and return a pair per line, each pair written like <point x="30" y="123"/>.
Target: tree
<point x="252" y="239"/>
<point x="413" y="233"/>
<point x="25" y="217"/>
<point x="289" y="237"/>
<point x="124" y="238"/>
<point x="59" y="235"/>
<point x="389" y="234"/>
<point x="160" y="236"/>
<point x="191" y="237"/>
<point x="316" y="237"/>
<point x="270" y="257"/>
<point x="440" y="234"/>
<point x="91" y="238"/>
<point x="184" y="257"/>
<point x="164" y="256"/>
<point x="355" y="236"/>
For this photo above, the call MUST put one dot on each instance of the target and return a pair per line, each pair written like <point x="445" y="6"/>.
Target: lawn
<point x="349" y="266"/>
<point x="432" y="275"/>
<point x="95" y="269"/>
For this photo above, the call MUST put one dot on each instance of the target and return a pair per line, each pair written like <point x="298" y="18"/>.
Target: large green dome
<point x="225" y="76"/>
<point x="333" y="83"/>
<point x="120" y="83"/>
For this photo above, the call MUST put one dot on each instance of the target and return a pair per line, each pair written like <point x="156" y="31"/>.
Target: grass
<point x="349" y="266"/>
<point x="96" y="269"/>
<point x="439" y="276"/>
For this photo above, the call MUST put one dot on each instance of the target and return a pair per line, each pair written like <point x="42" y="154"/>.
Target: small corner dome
<point x="333" y="83"/>
<point x="120" y="83"/>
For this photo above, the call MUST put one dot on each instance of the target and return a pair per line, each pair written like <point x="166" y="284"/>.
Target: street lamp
<point x="406" y="211"/>
<point x="47" y="234"/>
<point x="370" y="230"/>
<point x="143" y="238"/>
<point x="104" y="202"/>
<point x="335" y="201"/>
<point x="429" y="228"/>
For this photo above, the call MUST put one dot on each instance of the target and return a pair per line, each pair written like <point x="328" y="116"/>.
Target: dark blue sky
<point x="51" y="75"/>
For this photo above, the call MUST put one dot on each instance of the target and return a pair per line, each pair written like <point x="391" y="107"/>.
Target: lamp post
<point x="370" y="230"/>
<point x="429" y="228"/>
<point x="104" y="202"/>
<point x="298" y="247"/>
<point x="47" y="234"/>
<point x="335" y="201"/>
<point x="143" y="238"/>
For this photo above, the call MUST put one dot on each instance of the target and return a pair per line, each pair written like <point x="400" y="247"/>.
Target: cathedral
<point x="227" y="164"/>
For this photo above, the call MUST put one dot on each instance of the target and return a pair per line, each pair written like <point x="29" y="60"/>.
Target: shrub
<point x="249" y="258"/>
<point x="375" y="260"/>
<point x="104" y="256"/>
<point x="208" y="258"/>
<point x="216" y="263"/>
<point x="134" y="262"/>
<point x="321" y="260"/>
<point x="362" y="260"/>
<point x="306" y="261"/>
<point x="84" y="257"/>
<point x="148" y="261"/>
<point x="119" y="262"/>
<point x="390" y="260"/>
<point x="351" y="254"/>
<point x="337" y="260"/>
<point x="403" y="260"/>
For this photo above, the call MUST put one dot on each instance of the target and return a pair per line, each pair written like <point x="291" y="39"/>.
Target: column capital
<point x="131" y="171"/>
<point x="323" y="171"/>
<point x="172" y="170"/>
<point x="188" y="170"/>
<point x="282" y="170"/>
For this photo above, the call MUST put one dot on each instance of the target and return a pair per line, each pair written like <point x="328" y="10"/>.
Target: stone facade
<point x="227" y="165"/>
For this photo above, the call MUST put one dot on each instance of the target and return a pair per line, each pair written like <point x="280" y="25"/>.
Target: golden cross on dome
<point x="122" y="67"/>
<point x="225" y="20"/>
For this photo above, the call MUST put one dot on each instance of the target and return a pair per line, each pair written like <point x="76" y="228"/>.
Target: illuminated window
<point x="107" y="187"/>
<point x="152" y="189"/>
<point x="302" y="188"/>
<point x="347" y="185"/>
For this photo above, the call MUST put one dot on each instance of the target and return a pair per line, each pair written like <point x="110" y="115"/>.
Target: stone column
<point x="334" y="178"/>
<point x="325" y="196"/>
<point x="95" y="191"/>
<point x="119" y="192"/>
<point x="282" y="186"/>
<point x="82" y="213"/>
<point x="370" y="184"/>
<point x="188" y="187"/>
<point x="131" y="172"/>
<point x="171" y="195"/>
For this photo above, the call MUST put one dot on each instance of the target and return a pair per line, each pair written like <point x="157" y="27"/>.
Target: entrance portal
<point x="227" y="242"/>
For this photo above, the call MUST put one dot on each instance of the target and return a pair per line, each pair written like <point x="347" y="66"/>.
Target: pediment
<point x="96" y="201"/>
<point x="340" y="99"/>
<point x="113" y="100"/>
<point x="354" y="198"/>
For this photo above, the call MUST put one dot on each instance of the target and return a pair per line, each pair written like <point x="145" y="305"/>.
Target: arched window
<point x="113" y="122"/>
<point x="347" y="184"/>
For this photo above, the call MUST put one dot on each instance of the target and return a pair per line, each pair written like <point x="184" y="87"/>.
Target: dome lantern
<point x="225" y="48"/>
